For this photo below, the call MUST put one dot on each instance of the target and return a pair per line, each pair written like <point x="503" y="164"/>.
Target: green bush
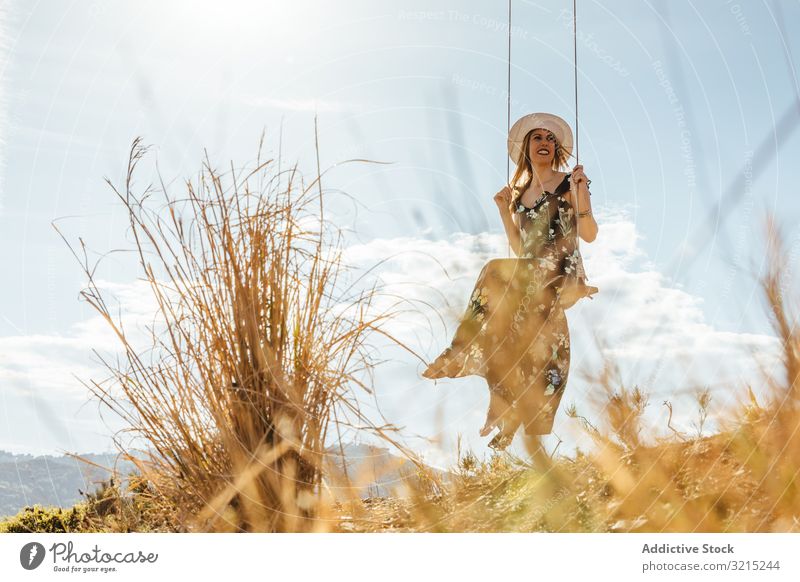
<point x="38" y="519"/>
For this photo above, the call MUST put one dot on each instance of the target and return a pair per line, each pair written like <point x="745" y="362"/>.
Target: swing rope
<point x="575" y="71"/>
<point x="508" y="94"/>
<point x="575" y="76"/>
<point x="577" y="158"/>
<point x="508" y="105"/>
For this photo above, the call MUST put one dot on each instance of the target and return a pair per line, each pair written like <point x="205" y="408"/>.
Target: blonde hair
<point x="523" y="175"/>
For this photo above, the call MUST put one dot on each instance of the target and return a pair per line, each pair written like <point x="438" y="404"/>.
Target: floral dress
<point x="514" y="331"/>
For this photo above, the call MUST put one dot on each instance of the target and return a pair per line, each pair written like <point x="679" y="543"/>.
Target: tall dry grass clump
<point x="252" y="351"/>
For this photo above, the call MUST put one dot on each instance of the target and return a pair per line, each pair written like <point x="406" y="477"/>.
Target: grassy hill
<point x="700" y="485"/>
<point x="49" y="493"/>
<point x="711" y="484"/>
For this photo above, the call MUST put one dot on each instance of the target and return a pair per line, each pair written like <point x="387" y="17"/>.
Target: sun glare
<point x="214" y="23"/>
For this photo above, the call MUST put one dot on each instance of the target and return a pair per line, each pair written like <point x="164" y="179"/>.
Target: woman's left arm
<point x="587" y="226"/>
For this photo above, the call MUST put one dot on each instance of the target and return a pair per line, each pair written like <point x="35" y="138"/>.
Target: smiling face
<point x="542" y="146"/>
<point x="542" y="149"/>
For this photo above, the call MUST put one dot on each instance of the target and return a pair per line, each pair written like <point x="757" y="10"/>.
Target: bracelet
<point x="585" y="213"/>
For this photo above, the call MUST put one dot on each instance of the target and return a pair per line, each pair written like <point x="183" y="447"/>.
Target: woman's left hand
<point x="577" y="174"/>
<point x="577" y="178"/>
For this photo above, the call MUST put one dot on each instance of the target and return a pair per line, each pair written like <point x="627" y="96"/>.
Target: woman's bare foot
<point x="504" y="436"/>
<point x="501" y="441"/>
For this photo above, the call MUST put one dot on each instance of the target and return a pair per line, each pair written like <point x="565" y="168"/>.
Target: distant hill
<point x="56" y="481"/>
<point x="373" y="471"/>
<point x="49" y="480"/>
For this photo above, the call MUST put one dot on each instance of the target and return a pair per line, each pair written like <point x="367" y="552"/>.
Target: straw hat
<point x="548" y="121"/>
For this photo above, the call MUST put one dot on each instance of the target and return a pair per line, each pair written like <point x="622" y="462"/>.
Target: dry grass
<point x="254" y="354"/>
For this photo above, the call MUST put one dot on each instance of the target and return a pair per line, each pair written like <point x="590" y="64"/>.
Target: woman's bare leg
<point x="537" y="452"/>
<point x="507" y="421"/>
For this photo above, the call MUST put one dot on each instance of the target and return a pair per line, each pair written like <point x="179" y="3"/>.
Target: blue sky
<point x="678" y="115"/>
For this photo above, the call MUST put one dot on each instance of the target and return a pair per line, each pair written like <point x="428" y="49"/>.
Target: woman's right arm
<point x="512" y="232"/>
<point x="503" y="201"/>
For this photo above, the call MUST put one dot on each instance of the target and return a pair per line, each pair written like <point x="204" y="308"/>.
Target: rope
<point x="577" y="157"/>
<point x="508" y="93"/>
<point x="575" y="70"/>
<point x="575" y="76"/>
<point x="508" y="105"/>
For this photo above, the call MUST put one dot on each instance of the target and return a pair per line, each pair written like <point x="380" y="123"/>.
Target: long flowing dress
<point x="514" y="331"/>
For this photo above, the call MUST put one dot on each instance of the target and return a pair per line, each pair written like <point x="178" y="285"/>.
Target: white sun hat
<point x="548" y="121"/>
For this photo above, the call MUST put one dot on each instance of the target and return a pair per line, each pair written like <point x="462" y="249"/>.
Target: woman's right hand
<point x="503" y="199"/>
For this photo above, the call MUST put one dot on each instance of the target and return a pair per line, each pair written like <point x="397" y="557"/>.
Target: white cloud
<point x="49" y="361"/>
<point x="656" y="332"/>
<point x="44" y="399"/>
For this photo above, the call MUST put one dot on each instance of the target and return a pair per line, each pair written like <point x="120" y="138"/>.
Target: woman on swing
<point x="514" y="332"/>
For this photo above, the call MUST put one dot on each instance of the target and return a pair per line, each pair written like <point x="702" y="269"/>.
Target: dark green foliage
<point x="38" y="519"/>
